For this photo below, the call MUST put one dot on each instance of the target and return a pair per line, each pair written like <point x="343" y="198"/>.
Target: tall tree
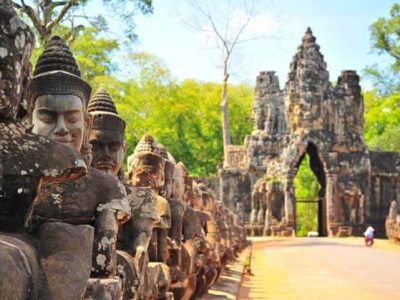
<point x="382" y="119"/>
<point x="183" y="116"/>
<point x="385" y="38"/>
<point x="226" y="21"/>
<point x="47" y="15"/>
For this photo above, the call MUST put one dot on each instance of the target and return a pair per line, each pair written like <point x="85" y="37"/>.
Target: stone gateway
<point x="309" y="116"/>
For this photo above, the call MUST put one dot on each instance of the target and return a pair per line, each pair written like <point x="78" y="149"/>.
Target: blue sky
<point x="340" y="26"/>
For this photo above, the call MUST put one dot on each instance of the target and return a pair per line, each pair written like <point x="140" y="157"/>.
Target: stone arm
<point x="104" y="256"/>
<point x="112" y="211"/>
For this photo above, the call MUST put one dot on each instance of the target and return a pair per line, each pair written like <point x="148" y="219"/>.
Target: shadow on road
<point x="227" y="285"/>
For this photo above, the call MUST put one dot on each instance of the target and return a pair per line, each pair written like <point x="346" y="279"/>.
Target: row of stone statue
<point x="71" y="225"/>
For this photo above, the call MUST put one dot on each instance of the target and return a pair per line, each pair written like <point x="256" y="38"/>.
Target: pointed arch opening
<point x="310" y="190"/>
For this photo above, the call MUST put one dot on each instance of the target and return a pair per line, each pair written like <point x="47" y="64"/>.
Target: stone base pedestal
<point x="339" y="230"/>
<point x="254" y="230"/>
<point x="159" y="280"/>
<point x="345" y="231"/>
<point x="282" y="231"/>
<point x="107" y="288"/>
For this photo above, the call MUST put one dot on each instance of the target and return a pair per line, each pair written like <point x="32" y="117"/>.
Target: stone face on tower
<point x="307" y="86"/>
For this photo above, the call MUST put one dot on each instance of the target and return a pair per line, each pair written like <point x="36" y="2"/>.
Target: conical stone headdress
<point x="147" y="151"/>
<point x="147" y="144"/>
<point x="105" y="116"/>
<point x="57" y="73"/>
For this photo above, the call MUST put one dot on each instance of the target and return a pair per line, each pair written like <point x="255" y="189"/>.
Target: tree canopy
<point x="385" y="40"/>
<point x="46" y="16"/>
<point x="184" y="116"/>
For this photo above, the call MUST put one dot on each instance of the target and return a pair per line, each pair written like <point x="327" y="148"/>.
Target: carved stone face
<point x="60" y="118"/>
<point x="197" y="197"/>
<point x="208" y="201"/>
<point x="166" y="190"/>
<point x="178" y="187"/>
<point x="163" y="212"/>
<point x="147" y="170"/>
<point x="107" y="150"/>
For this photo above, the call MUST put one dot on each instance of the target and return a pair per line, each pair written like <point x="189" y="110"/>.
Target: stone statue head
<point x="197" y="195"/>
<point x="208" y="201"/>
<point x="146" y="166"/>
<point x="188" y="192"/>
<point x="107" y="133"/>
<point x="166" y="190"/>
<point x="58" y="97"/>
<point x="16" y="45"/>
<point x="163" y="212"/>
<point x="178" y="187"/>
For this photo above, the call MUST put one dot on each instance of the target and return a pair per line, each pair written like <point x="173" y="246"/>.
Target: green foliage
<point x="306" y="187"/>
<point x="92" y="52"/>
<point x="385" y="35"/>
<point x="385" y="38"/>
<point x="183" y="116"/>
<point x="46" y="17"/>
<point x="382" y="122"/>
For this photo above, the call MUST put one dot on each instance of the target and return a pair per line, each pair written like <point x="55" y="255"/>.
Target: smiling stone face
<point x="58" y="97"/>
<point x="60" y="118"/>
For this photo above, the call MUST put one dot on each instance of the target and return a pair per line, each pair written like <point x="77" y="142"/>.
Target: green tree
<point x="306" y="187"/>
<point x="214" y="18"/>
<point x="92" y="52"/>
<point x="183" y="116"/>
<point x="382" y="122"/>
<point x="385" y="38"/>
<point x="47" y="15"/>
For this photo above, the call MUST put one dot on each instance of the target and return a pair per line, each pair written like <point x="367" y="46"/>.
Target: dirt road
<point x="321" y="269"/>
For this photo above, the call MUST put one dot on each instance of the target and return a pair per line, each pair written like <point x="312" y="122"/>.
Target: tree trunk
<point x="224" y="115"/>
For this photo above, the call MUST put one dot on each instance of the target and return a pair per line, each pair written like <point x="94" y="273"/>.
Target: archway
<point x="314" y="205"/>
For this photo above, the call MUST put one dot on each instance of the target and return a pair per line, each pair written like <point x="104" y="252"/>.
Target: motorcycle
<point x="369" y="241"/>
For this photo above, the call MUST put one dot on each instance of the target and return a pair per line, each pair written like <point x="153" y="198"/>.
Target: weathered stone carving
<point x="259" y="202"/>
<point x="179" y="237"/>
<point x="58" y="99"/>
<point x="135" y="237"/>
<point x="106" y="134"/>
<point x="352" y="204"/>
<point x="146" y="169"/>
<point x="311" y="116"/>
<point x="393" y="223"/>
<point x="27" y="162"/>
